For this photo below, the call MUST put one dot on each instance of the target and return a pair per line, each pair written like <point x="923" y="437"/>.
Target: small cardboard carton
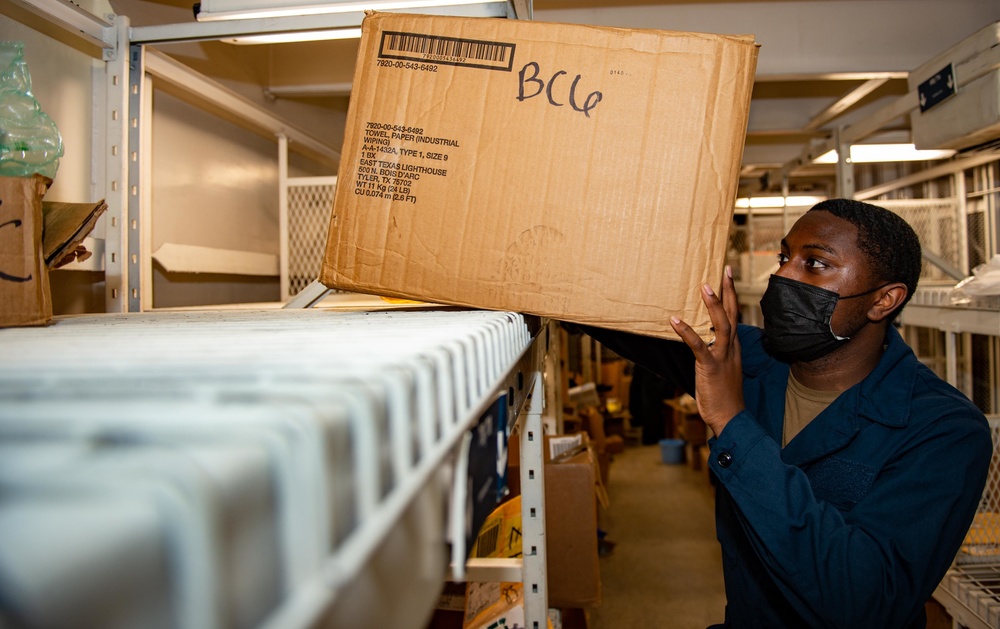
<point x="572" y="494"/>
<point x="25" y="298"/>
<point x="581" y="173"/>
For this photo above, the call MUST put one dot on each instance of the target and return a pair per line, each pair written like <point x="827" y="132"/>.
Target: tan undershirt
<point x="802" y="405"/>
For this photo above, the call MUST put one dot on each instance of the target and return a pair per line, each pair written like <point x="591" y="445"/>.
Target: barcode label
<point x="486" y="544"/>
<point x="454" y="51"/>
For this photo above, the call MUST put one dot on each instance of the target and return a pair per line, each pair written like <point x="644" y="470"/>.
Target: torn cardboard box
<point x="25" y="298"/>
<point x="580" y="173"/>
<point x="66" y="225"/>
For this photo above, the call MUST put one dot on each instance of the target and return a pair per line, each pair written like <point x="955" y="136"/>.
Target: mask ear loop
<point x="867" y="292"/>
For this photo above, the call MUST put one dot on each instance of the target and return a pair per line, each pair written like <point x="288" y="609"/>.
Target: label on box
<point x="395" y="158"/>
<point x="937" y="89"/>
<point x="452" y="51"/>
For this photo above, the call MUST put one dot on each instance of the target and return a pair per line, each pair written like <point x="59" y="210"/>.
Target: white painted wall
<point x="63" y="82"/>
<point x="214" y="185"/>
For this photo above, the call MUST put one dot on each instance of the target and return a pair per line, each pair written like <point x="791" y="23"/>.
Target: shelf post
<point x="534" y="569"/>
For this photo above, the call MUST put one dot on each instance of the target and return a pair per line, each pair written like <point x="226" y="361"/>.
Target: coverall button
<point x="725" y="459"/>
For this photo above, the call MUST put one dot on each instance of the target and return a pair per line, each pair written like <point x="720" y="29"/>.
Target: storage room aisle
<point x="665" y="569"/>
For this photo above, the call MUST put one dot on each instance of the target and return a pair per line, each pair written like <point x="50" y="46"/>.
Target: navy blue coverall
<point x="854" y="522"/>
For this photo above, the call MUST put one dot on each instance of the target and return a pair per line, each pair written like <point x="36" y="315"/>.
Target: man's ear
<point x="890" y="298"/>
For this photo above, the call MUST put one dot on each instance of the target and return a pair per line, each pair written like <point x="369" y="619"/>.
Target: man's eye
<point x="813" y="263"/>
<point x="782" y="258"/>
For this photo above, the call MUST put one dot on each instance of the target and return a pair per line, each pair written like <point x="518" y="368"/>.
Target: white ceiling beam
<point x="227" y="29"/>
<point x="312" y="90"/>
<point x="965" y="73"/>
<point x="849" y="100"/>
<point x="163" y="68"/>
<point x="828" y="76"/>
<point x="74" y="20"/>
<point x="941" y="170"/>
<point x="521" y="9"/>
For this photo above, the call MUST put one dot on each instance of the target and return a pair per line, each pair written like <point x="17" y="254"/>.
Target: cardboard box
<point x="571" y="495"/>
<point x="25" y="298"/>
<point x="575" y="172"/>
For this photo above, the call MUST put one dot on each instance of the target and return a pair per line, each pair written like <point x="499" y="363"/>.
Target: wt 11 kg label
<point x="394" y="159"/>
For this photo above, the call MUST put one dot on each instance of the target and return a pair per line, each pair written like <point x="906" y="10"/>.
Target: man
<point x="848" y="473"/>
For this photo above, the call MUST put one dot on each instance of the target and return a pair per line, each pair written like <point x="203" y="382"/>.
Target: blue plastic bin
<point x="672" y="451"/>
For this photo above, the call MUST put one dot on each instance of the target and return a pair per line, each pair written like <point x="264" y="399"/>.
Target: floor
<point x="665" y="569"/>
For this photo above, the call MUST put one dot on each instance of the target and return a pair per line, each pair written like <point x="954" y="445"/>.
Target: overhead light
<point x="211" y="10"/>
<point x="297" y="36"/>
<point x="776" y="202"/>
<point x="868" y="153"/>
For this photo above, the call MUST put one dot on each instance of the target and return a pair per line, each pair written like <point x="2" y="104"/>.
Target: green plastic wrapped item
<point x="29" y="140"/>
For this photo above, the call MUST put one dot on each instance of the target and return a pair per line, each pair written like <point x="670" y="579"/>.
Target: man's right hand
<point x="718" y="365"/>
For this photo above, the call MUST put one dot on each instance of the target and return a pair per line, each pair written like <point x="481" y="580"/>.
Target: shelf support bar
<point x="534" y="577"/>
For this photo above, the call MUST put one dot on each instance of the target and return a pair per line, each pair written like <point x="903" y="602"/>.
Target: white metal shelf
<point x="276" y="468"/>
<point x="931" y="307"/>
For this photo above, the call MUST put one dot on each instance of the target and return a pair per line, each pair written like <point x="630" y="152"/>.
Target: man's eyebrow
<point x="813" y="245"/>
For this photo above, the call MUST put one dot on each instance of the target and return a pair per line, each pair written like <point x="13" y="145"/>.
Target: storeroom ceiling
<point x="823" y="63"/>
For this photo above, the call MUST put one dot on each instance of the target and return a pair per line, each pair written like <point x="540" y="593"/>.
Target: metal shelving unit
<point x="289" y="468"/>
<point x="286" y="468"/>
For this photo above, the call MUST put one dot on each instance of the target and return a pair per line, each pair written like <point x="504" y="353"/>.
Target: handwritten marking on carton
<point x="7" y="277"/>
<point x="589" y="103"/>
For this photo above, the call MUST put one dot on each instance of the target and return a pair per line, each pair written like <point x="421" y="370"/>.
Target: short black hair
<point x="886" y="239"/>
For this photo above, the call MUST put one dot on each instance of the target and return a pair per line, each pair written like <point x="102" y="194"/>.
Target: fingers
<point x="722" y="310"/>
<point x="688" y="335"/>
<point x="729" y="299"/>
<point x="717" y="313"/>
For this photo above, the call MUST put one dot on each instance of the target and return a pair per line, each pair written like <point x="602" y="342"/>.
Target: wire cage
<point x="971" y="588"/>
<point x="309" y="207"/>
<point x="982" y="543"/>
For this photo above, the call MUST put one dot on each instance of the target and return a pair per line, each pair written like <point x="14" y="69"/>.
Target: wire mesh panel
<point x="309" y="209"/>
<point x="982" y="544"/>
<point x="754" y="247"/>
<point x="977" y="588"/>
<point x="738" y="249"/>
<point x="971" y="588"/>
<point x="935" y="221"/>
<point x="982" y="205"/>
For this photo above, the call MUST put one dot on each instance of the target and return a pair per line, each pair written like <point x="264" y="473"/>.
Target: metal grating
<point x="754" y="247"/>
<point x="982" y="544"/>
<point x="309" y="208"/>
<point x="280" y="468"/>
<point x="983" y="186"/>
<point x="935" y="221"/>
<point x="977" y="589"/>
<point x="970" y="590"/>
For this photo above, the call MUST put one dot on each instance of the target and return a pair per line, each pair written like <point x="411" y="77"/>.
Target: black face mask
<point x="797" y="319"/>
